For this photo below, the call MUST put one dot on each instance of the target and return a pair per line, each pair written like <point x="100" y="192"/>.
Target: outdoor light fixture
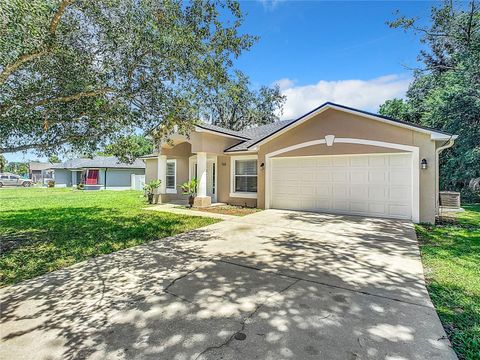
<point x="262" y="165"/>
<point x="424" y="164"/>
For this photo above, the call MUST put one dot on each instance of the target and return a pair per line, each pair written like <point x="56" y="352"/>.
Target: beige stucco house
<point x="332" y="159"/>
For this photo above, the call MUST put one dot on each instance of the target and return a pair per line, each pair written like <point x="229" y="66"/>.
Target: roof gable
<point x="434" y="134"/>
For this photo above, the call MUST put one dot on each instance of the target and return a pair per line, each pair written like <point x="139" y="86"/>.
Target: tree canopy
<point x="82" y="73"/>
<point x="445" y="93"/>
<point x="235" y="106"/>
<point x="128" y="148"/>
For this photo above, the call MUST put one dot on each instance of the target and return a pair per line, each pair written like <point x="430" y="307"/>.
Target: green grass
<point x="451" y="258"/>
<point x="42" y="230"/>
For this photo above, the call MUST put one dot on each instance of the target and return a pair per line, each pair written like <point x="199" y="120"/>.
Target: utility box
<point x="450" y="199"/>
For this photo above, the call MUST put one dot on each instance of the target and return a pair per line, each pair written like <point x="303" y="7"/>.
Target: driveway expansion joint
<point x="243" y="323"/>
<point x="325" y="284"/>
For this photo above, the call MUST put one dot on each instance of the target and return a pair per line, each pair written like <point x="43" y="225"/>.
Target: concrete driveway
<point x="272" y="285"/>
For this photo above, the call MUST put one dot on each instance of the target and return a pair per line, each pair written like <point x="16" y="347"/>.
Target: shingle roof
<point x="256" y="133"/>
<point x="222" y="130"/>
<point x="37" y="165"/>
<point x="99" y="162"/>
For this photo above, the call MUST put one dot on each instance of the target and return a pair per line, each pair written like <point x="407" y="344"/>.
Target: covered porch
<point x="197" y="157"/>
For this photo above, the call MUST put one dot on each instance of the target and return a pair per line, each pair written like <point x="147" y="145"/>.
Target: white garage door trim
<point x="412" y="149"/>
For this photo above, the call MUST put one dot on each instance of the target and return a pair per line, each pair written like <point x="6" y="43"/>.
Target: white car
<point x="8" y="179"/>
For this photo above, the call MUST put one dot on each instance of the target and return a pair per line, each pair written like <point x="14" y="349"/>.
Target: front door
<point x="211" y="177"/>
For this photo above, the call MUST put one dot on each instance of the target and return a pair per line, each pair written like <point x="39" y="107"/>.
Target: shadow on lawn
<point x="40" y="240"/>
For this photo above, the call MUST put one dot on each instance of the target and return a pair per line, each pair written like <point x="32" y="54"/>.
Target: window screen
<point x="246" y="176"/>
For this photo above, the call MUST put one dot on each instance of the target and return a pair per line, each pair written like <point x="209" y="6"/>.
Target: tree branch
<point x="70" y="98"/>
<point x="10" y="68"/>
<point x="58" y="15"/>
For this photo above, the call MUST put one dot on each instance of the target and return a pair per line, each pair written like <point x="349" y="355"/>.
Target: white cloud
<point x="269" y="5"/>
<point x="360" y="94"/>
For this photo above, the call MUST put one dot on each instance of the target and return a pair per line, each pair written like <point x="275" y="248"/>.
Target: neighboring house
<point x="40" y="171"/>
<point x="332" y="159"/>
<point x="101" y="172"/>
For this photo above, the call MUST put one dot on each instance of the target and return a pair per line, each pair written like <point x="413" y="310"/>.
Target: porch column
<point x="202" y="174"/>
<point x="74" y="178"/>
<point x="202" y="199"/>
<point x="162" y="173"/>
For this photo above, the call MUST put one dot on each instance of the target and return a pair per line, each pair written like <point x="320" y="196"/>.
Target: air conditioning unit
<point x="450" y="199"/>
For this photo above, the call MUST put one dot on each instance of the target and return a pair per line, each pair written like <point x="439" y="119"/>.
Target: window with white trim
<point x="171" y="174"/>
<point x="245" y="176"/>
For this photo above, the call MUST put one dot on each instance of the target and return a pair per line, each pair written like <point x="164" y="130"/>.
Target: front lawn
<point x="42" y="230"/>
<point x="451" y="258"/>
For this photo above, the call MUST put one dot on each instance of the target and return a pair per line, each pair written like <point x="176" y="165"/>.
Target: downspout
<point x="105" y="179"/>
<point x="446" y="145"/>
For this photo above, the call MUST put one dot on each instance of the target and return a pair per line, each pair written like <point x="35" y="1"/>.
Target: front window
<point x="170" y="176"/>
<point x="245" y="176"/>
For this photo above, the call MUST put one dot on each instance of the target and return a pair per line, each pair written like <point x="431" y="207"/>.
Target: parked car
<point x="7" y="179"/>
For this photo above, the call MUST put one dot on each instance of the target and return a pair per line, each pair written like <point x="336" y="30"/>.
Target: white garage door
<point x="371" y="185"/>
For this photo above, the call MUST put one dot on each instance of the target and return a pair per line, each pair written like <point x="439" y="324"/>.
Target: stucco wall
<point x="63" y="178"/>
<point x="213" y="144"/>
<point x="150" y="169"/>
<point x="223" y="186"/>
<point x="341" y="124"/>
<point x="118" y="177"/>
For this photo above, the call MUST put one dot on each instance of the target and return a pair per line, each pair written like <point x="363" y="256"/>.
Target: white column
<point x="74" y="178"/>
<point x="162" y="173"/>
<point x="202" y="174"/>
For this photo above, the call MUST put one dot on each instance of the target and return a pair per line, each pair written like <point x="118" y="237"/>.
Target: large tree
<point x="79" y="73"/>
<point x="236" y="106"/>
<point x="445" y="92"/>
<point x="128" y="148"/>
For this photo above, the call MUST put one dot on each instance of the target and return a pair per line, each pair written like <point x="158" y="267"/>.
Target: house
<point x="333" y="159"/>
<point x="40" y="171"/>
<point x="101" y="172"/>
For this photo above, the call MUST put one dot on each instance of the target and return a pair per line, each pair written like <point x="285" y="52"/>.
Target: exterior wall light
<point x="424" y="164"/>
<point x="262" y="166"/>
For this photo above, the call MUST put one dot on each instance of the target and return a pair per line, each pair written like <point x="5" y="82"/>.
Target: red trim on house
<point x="92" y="177"/>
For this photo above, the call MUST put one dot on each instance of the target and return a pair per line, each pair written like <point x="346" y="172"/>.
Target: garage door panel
<point x="376" y="208"/>
<point x="341" y="176"/>
<point x="378" y="193"/>
<point x="359" y="192"/>
<point x="378" y="185"/>
<point x="359" y="161"/>
<point x="377" y="176"/>
<point x="324" y="161"/>
<point x="341" y="205"/>
<point x="398" y="193"/>
<point x="340" y="161"/>
<point x="377" y="161"/>
<point x="401" y="211"/>
<point x="400" y="176"/>
<point x="400" y="161"/>
<point x="324" y="191"/>
<point x="323" y="176"/>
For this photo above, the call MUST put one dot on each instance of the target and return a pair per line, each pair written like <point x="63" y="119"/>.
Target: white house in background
<point x="100" y="173"/>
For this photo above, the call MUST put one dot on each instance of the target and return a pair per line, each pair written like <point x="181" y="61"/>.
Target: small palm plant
<point x="150" y="188"/>
<point x="190" y="188"/>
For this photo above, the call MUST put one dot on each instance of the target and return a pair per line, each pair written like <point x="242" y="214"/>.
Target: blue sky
<point x="318" y="51"/>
